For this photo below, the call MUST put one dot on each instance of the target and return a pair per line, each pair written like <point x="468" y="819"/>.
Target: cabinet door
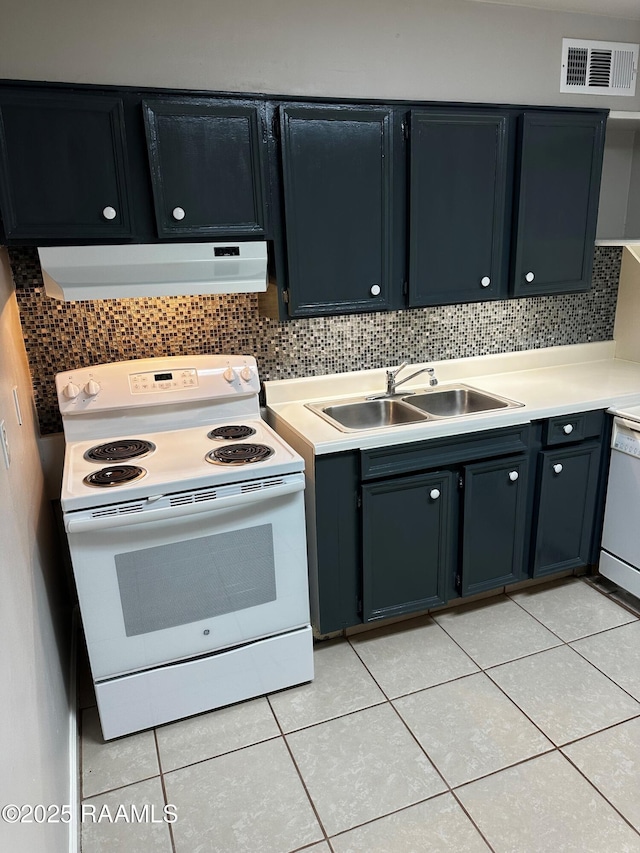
<point x="566" y="499"/>
<point x="63" y="167"/>
<point x="408" y="544"/>
<point x="337" y="172"/>
<point x="559" y="185"/>
<point x="493" y="533"/>
<point x="206" y="167"/>
<point x="458" y="178"/>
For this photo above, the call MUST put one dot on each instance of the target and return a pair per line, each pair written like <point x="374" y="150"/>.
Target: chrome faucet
<point x="392" y="385"/>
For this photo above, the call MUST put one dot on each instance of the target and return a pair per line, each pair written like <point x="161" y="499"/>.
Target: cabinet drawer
<point x="440" y="452"/>
<point x="569" y="428"/>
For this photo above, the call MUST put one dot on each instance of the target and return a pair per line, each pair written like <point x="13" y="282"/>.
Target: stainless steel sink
<point x="368" y="414"/>
<point x="451" y="401"/>
<point x="457" y="400"/>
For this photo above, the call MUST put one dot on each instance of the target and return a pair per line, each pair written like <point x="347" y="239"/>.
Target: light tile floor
<point x="511" y="724"/>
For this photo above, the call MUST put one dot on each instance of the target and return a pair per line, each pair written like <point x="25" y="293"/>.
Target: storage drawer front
<point x="442" y="452"/>
<point x="569" y="428"/>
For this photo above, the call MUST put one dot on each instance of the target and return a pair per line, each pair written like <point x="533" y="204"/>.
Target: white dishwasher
<point x="620" y="554"/>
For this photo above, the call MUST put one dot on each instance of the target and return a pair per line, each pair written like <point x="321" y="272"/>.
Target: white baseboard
<point x="74" y="752"/>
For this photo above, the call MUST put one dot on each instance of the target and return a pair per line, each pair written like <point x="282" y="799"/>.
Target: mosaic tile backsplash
<point x="64" y="335"/>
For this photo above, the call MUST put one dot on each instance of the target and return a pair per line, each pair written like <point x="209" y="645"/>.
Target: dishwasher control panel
<point x="626" y="437"/>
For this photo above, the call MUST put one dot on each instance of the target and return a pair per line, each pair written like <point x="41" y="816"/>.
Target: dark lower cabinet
<point x="63" y="167"/>
<point x="494" y="522"/>
<point x="407" y="544"/>
<point x="458" y="174"/>
<point x="567" y="500"/>
<point x="206" y="167"/>
<point x="339" y="209"/>
<point x="402" y="528"/>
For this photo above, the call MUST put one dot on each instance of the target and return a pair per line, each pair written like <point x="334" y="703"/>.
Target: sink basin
<point x="444" y="402"/>
<point x="457" y="400"/>
<point x="368" y="414"/>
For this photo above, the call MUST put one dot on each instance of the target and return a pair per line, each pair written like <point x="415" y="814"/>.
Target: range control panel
<point x="148" y="382"/>
<point x="151" y="381"/>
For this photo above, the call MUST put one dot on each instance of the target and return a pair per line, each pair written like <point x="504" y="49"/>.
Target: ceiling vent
<point x="599" y="67"/>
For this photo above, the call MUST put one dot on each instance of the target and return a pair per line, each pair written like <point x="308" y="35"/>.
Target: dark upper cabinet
<point x="206" y="167"/>
<point x="63" y="167"/>
<point x="567" y="501"/>
<point x="339" y="208"/>
<point x="494" y="523"/>
<point x="458" y="179"/>
<point x="558" y="185"/>
<point x="402" y="572"/>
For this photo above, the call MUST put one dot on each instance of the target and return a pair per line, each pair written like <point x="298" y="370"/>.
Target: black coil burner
<point x="231" y="432"/>
<point x="120" y="450"/>
<point x="239" y="454"/>
<point x="117" y="475"/>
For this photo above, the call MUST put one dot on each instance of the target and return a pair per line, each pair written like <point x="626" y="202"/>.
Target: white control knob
<point x="109" y="213"/>
<point x="375" y="290"/>
<point x="529" y="276"/>
<point x="178" y="213"/>
<point x="434" y="494"/>
<point x="485" y="281"/>
<point x="246" y="374"/>
<point x="567" y="429"/>
<point x="71" y="391"/>
<point x="557" y="468"/>
<point x="513" y="476"/>
<point x="91" y="388"/>
<point x="229" y="374"/>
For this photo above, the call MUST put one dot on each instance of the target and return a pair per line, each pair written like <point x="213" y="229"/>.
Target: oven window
<point x="171" y="585"/>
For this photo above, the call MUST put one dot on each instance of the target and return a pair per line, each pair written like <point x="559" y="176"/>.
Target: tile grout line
<point x="598" y="791"/>
<point x="457" y="677"/>
<point x="553" y="748"/>
<point x="575" y="639"/>
<point x="436" y="768"/>
<point x="600" y="731"/>
<point x="164" y="789"/>
<point x="608" y="677"/>
<point x="120" y="787"/>
<point x="300" y="776"/>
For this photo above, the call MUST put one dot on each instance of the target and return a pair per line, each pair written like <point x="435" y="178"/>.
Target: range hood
<point x="160" y="269"/>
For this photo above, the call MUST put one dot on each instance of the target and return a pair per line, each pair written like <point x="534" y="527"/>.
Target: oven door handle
<point x="105" y="522"/>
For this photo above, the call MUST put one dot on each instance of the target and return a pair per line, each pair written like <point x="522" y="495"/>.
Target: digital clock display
<point x="163" y="377"/>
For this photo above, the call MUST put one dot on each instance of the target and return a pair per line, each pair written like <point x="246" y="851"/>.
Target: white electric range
<point x="184" y="513"/>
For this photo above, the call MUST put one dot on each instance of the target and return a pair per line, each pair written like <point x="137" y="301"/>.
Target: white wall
<point x="420" y="49"/>
<point x="34" y="623"/>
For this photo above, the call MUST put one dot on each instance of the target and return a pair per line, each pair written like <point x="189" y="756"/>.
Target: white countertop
<point x="549" y="382"/>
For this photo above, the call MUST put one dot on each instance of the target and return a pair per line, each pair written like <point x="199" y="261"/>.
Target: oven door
<point x="182" y="575"/>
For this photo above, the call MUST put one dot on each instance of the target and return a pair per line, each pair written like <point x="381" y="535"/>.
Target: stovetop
<point x="178" y="463"/>
<point x="183" y="411"/>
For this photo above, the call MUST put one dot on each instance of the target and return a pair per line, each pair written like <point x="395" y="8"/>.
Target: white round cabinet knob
<point x="434" y="494"/>
<point x="557" y="468"/>
<point x="109" y="213"/>
<point x="485" y="281"/>
<point x="529" y="276"/>
<point x="246" y="374"/>
<point x="229" y="374"/>
<point x="91" y="388"/>
<point x="567" y="429"/>
<point x="71" y="391"/>
<point x="513" y="476"/>
<point x="375" y="290"/>
<point x="178" y="213"/>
